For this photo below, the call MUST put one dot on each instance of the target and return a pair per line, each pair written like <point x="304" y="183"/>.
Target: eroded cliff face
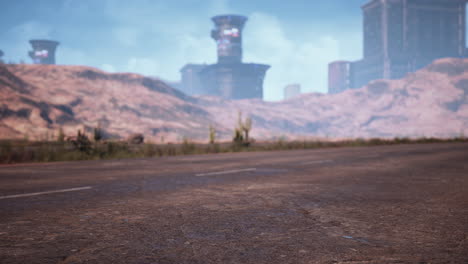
<point x="36" y="100"/>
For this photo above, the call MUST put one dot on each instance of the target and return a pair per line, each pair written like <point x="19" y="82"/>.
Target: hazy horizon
<point x="157" y="38"/>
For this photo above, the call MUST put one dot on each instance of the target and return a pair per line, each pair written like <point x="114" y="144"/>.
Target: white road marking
<point x="225" y="172"/>
<point x="316" y="162"/>
<point x="48" y="192"/>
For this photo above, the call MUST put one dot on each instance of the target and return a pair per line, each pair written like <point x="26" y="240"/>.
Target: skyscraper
<point x="402" y="36"/>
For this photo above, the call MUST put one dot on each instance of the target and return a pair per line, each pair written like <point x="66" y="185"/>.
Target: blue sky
<point x="157" y="37"/>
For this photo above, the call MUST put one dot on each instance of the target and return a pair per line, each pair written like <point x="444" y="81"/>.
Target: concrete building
<point x="43" y="51"/>
<point x="234" y="80"/>
<point x="402" y="36"/>
<point x="339" y="76"/>
<point x="229" y="78"/>
<point x="190" y="82"/>
<point x="291" y="91"/>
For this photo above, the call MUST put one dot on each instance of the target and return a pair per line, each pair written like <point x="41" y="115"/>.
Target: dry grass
<point x="21" y="151"/>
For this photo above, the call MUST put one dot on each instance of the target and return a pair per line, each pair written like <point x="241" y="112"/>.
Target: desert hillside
<point x="36" y="100"/>
<point x="430" y="102"/>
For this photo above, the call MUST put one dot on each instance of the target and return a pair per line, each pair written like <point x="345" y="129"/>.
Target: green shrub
<point x="212" y="135"/>
<point x="98" y="134"/>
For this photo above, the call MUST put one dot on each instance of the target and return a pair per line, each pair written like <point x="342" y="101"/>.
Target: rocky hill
<point x="36" y="100"/>
<point x="430" y="102"/>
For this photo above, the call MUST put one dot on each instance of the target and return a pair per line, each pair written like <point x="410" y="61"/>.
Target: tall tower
<point x="1" y="55"/>
<point x="228" y="37"/>
<point x="230" y="78"/>
<point x="402" y="36"/>
<point x="43" y="51"/>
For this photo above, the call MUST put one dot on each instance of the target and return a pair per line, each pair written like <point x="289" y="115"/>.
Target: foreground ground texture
<point x="392" y="204"/>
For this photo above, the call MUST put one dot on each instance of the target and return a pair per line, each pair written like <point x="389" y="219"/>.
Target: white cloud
<point x="195" y="49"/>
<point x="143" y="66"/>
<point x="187" y="48"/>
<point x="301" y="60"/>
<point x="108" y="68"/>
<point x="17" y="47"/>
<point x="71" y="56"/>
<point x="31" y="29"/>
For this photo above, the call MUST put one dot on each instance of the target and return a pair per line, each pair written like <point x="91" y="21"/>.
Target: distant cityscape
<point x="402" y="36"/>
<point x="399" y="37"/>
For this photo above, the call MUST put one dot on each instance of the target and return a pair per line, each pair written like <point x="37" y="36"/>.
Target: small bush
<point x="98" y="134"/>
<point x="82" y="142"/>
<point x="188" y="147"/>
<point x="61" y="136"/>
<point x="212" y="135"/>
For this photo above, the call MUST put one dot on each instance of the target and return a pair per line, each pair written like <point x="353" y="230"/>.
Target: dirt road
<point x="393" y="204"/>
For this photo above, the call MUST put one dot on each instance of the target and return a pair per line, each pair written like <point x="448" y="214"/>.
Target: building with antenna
<point x="229" y="78"/>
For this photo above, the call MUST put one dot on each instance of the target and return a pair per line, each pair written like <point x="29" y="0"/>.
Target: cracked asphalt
<point x="386" y="204"/>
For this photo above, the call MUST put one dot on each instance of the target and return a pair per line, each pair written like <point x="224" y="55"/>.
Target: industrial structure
<point x="43" y="51"/>
<point x="1" y="55"/>
<point x="402" y="36"/>
<point x="339" y="76"/>
<point x="229" y="78"/>
<point x="292" y="90"/>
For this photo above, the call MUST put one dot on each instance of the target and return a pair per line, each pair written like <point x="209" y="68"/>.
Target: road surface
<point x="385" y="204"/>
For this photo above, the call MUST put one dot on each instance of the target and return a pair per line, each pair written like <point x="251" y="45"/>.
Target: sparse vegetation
<point x="241" y="132"/>
<point x="61" y="136"/>
<point x="82" y="142"/>
<point x="212" y="134"/>
<point x="81" y="148"/>
<point x="98" y="134"/>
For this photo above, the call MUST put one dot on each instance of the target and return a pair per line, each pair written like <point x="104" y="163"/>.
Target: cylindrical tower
<point x="43" y="51"/>
<point x="228" y="36"/>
